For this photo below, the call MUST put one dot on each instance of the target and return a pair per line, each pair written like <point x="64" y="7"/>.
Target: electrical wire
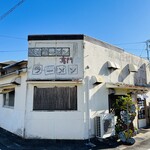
<point x="130" y="43"/>
<point x="142" y="50"/>
<point x="11" y="10"/>
<point x="138" y="49"/>
<point x="13" y="51"/>
<point x="12" y="37"/>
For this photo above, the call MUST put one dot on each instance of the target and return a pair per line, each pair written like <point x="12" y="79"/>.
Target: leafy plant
<point x="125" y="111"/>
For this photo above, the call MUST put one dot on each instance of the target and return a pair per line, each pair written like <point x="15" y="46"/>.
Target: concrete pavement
<point x="142" y="136"/>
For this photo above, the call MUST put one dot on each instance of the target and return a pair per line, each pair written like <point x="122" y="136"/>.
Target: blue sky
<point x="124" y="23"/>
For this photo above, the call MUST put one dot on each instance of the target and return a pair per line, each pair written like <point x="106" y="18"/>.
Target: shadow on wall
<point x="105" y="70"/>
<point x="124" y="73"/>
<point x="99" y="97"/>
<point x="140" y="76"/>
<point x="96" y="97"/>
<point x="97" y="94"/>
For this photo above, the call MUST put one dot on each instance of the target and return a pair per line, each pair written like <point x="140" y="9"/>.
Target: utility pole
<point x="148" y="49"/>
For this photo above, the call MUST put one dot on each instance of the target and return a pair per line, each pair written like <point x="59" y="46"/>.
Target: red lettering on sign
<point x="66" y="60"/>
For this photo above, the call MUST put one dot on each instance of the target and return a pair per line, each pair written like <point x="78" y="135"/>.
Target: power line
<point x="13" y="51"/>
<point x="12" y="37"/>
<point x="130" y="43"/>
<point x="133" y="49"/>
<point x="11" y="10"/>
<point x="142" y="50"/>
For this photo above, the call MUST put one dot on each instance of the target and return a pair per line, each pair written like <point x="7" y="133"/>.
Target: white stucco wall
<point x="142" y="123"/>
<point x="12" y="119"/>
<point x="92" y="61"/>
<point x="54" y="65"/>
<point x="79" y="124"/>
<point x="55" y="124"/>
<point x="96" y="57"/>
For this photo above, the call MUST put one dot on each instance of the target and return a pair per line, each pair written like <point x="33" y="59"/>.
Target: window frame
<point x="59" y="87"/>
<point x="141" y="112"/>
<point x="8" y="100"/>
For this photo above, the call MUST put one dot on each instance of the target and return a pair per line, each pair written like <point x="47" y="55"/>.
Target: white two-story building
<point x="68" y="80"/>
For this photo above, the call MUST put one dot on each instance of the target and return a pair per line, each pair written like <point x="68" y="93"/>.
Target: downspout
<point x="25" y="110"/>
<point x="88" y="113"/>
<point x="88" y="107"/>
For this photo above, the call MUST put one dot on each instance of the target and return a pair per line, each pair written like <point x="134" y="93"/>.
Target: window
<point x="141" y="107"/>
<point x="55" y="98"/>
<point x="9" y="98"/>
<point x="112" y="100"/>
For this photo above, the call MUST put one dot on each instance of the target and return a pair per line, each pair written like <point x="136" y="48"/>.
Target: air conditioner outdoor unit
<point x="104" y="125"/>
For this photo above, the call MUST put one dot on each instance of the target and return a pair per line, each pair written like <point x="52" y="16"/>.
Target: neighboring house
<point x="69" y="80"/>
<point x="13" y="96"/>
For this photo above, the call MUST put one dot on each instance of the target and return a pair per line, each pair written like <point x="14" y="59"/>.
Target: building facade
<point x="69" y="79"/>
<point x="13" y="96"/>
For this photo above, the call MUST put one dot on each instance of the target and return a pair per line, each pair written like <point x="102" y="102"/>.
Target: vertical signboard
<point x="55" y="60"/>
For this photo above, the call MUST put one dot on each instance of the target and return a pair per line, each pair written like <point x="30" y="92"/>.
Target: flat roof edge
<point x="56" y="37"/>
<point x="73" y="37"/>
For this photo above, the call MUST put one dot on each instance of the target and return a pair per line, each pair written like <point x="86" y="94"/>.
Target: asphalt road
<point x="9" y="141"/>
<point x="3" y="147"/>
<point x="145" y="145"/>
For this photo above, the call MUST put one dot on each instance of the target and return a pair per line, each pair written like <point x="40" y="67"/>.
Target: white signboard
<point x="48" y="61"/>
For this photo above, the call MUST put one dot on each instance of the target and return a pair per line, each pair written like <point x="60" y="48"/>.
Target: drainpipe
<point x="88" y="113"/>
<point x="25" y="110"/>
<point x="88" y="107"/>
